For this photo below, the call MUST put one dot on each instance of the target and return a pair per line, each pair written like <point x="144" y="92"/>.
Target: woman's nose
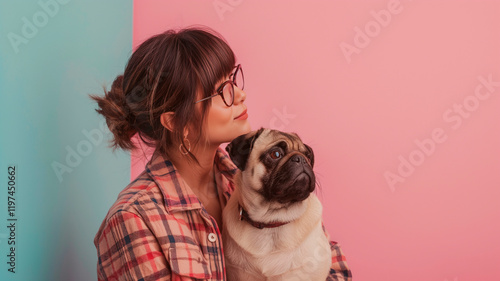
<point x="239" y="95"/>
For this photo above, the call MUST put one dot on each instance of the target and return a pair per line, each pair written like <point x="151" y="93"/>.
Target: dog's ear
<point x="310" y="154"/>
<point x="239" y="149"/>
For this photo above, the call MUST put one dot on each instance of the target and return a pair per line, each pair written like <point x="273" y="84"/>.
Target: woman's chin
<point x="243" y="129"/>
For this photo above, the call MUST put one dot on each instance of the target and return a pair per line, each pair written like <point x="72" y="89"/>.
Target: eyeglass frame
<point x="220" y="89"/>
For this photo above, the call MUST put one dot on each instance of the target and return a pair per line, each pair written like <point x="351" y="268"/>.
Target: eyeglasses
<point x="226" y="89"/>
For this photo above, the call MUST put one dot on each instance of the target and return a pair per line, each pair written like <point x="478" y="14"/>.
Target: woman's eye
<point x="275" y="154"/>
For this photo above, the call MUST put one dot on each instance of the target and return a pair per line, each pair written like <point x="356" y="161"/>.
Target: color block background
<point x="390" y="94"/>
<point x="73" y="48"/>
<point x="363" y="108"/>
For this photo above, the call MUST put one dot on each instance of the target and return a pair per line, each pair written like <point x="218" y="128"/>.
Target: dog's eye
<point x="275" y="154"/>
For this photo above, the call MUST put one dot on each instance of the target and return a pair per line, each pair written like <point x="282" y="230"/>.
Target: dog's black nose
<point x="299" y="159"/>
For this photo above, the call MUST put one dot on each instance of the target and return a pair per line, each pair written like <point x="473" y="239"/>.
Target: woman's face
<point x="222" y="123"/>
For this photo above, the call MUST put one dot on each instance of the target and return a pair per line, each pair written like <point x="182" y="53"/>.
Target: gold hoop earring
<point x="182" y="147"/>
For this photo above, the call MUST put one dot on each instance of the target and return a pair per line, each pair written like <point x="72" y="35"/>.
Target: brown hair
<point x="164" y="74"/>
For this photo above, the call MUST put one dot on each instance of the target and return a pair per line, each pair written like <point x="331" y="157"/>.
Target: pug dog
<point x="272" y="223"/>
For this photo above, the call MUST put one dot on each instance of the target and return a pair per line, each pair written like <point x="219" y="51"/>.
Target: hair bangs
<point x="211" y="58"/>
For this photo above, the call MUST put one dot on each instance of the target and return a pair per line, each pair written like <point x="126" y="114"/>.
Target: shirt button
<point x="212" y="237"/>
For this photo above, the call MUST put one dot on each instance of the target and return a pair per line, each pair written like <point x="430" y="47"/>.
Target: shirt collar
<point x="177" y="195"/>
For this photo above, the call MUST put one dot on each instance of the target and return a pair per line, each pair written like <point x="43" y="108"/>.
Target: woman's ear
<point x="167" y="120"/>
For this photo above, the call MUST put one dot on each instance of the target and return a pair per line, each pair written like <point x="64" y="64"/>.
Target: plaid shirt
<point x="158" y="230"/>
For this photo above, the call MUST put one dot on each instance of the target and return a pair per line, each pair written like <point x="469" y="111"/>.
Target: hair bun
<point x="119" y="118"/>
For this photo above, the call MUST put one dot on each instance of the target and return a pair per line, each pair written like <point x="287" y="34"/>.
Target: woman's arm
<point x="339" y="271"/>
<point x="127" y="250"/>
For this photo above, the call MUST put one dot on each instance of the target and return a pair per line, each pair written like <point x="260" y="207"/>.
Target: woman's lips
<point x="243" y="115"/>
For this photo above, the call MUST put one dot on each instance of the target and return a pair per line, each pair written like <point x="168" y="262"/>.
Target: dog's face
<point x="276" y="166"/>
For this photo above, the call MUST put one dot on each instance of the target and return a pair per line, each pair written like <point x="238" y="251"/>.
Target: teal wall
<point x="51" y="58"/>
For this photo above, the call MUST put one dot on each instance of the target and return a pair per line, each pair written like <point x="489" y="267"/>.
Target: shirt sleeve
<point x="339" y="271"/>
<point x="127" y="250"/>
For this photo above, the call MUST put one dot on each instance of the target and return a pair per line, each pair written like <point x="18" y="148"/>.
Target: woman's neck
<point x="199" y="178"/>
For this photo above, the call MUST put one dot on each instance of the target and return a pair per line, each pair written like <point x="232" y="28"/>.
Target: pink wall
<point x="400" y="93"/>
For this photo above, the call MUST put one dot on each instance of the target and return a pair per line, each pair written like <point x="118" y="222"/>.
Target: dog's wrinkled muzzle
<point x="293" y="182"/>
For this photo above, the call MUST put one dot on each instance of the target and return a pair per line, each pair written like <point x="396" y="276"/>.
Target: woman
<point x="183" y="95"/>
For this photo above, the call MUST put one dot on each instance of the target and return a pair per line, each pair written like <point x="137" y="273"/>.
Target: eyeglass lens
<point x="228" y="90"/>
